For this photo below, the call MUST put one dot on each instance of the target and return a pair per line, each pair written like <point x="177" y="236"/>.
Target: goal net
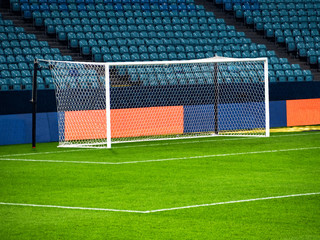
<point x="103" y="103"/>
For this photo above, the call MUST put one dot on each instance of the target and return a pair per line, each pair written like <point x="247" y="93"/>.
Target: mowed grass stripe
<point x="159" y="144"/>
<point x="164" y="159"/>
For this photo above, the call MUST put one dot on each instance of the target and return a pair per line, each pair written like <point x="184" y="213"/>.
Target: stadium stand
<point x="294" y="24"/>
<point x="17" y="53"/>
<point x="142" y="30"/>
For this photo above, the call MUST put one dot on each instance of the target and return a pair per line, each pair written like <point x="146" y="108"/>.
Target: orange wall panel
<point x="90" y="124"/>
<point x="134" y="122"/>
<point x="131" y="122"/>
<point x="303" y="112"/>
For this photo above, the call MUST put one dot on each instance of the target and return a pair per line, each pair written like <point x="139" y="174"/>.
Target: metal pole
<point x="108" y="112"/>
<point x="266" y="92"/>
<point x="34" y="103"/>
<point x="216" y="98"/>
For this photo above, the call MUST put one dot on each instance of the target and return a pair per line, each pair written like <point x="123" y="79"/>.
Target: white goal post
<point x="103" y="103"/>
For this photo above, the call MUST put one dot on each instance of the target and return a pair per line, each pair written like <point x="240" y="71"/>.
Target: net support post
<point x="216" y="99"/>
<point x="34" y="103"/>
<point x="108" y="112"/>
<point x="266" y="85"/>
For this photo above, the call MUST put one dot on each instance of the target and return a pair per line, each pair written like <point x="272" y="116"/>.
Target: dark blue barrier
<point x="278" y="114"/>
<point x="15" y="102"/>
<point x="231" y="116"/>
<point x="16" y="128"/>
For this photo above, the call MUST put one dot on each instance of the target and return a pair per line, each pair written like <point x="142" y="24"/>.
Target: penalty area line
<point x="161" y="159"/>
<point x="158" y="210"/>
<point x="231" y="202"/>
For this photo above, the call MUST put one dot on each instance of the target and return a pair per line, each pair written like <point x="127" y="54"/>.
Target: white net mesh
<point x="162" y="100"/>
<point x="81" y="102"/>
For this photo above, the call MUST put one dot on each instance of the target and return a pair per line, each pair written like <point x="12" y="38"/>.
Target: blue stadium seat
<point x="307" y="75"/>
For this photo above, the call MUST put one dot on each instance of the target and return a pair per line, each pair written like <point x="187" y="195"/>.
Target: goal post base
<point x="104" y="146"/>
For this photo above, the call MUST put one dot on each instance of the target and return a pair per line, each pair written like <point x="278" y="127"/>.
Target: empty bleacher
<point x="295" y="24"/>
<point x="17" y="53"/>
<point x="140" y="30"/>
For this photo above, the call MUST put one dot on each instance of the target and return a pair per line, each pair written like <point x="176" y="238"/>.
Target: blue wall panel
<point x="17" y="128"/>
<point x="198" y="118"/>
<point x="234" y="116"/>
<point x="13" y="129"/>
<point x="248" y="118"/>
<point x="278" y="114"/>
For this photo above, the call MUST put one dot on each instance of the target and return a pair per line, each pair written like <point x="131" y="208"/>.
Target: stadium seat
<point x="307" y="75"/>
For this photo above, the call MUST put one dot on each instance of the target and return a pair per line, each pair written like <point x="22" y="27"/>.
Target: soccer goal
<point x="103" y="103"/>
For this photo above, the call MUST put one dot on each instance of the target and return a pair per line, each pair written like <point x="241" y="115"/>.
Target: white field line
<point x="76" y="208"/>
<point x="210" y="140"/>
<point x="45" y="153"/>
<point x="155" y="144"/>
<point x="162" y="159"/>
<point x="230" y="202"/>
<point x="159" y="210"/>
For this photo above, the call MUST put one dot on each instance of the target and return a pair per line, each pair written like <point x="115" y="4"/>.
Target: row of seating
<point x="126" y="18"/>
<point x="300" y="6"/>
<point x="102" y="6"/>
<point x="254" y="18"/>
<point x="170" y="76"/>
<point x="27" y="10"/>
<point x="293" y="22"/>
<point x="197" y="75"/>
<point x="301" y="9"/>
<point x="25" y="83"/>
<point x="10" y="29"/>
<point x="291" y="30"/>
<point x="125" y="31"/>
<point x="280" y="13"/>
<point x="133" y="24"/>
<point x="200" y="12"/>
<point x="23" y="44"/>
<point x="16" y="51"/>
<point x="152" y="53"/>
<point x="193" y="22"/>
<point x="175" y="37"/>
<point x="284" y="1"/>
<point x="147" y="32"/>
<point x="17" y="36"/>
<point x="154" y="79"/>
<point x="22" y="80"/>
<point x="74" y="42"/>
<point x="30" y="58"/>
<point x="101" y="1"/>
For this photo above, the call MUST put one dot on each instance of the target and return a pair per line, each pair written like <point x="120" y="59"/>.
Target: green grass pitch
<point x="180" y="189"/>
